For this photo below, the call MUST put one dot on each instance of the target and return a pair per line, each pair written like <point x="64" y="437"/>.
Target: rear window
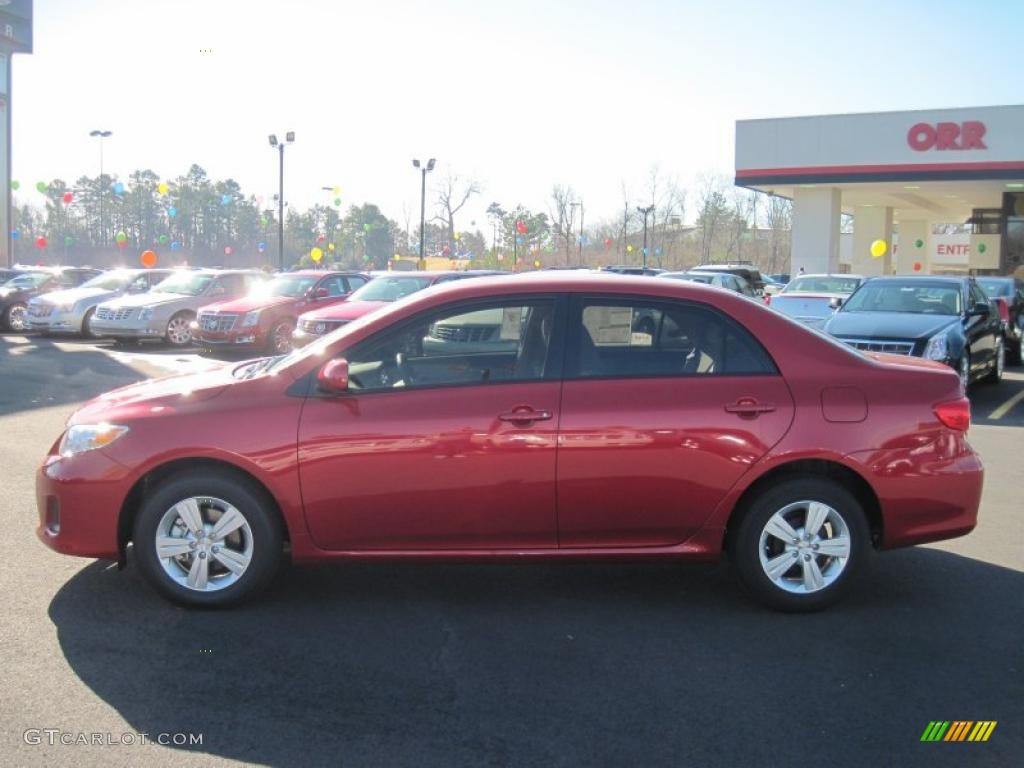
<point x="801" y="306"/>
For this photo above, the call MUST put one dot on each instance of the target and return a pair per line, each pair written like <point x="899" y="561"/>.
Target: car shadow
<point x="444" y="664"/>
<point x="989" y="402"/>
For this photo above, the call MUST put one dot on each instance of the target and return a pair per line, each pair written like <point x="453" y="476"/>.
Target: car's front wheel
<point x="207" y="538"/>
<point x="16" y="318"/>
<point x="87" y="330"/>
<point x="279" y="340"/>
<point x="800" y="544"/>
<point x="998" y="364"/>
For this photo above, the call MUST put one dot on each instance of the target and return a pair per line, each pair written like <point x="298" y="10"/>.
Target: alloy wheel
<point x="965" y="370"/>
<point x="17" y="318"/>
<point x="204" y="544"/>
<point x="281" y="340"/>
<point x="178" y="331"/>
<point x="804" y="547"/>
<point x="1000" y="359"/>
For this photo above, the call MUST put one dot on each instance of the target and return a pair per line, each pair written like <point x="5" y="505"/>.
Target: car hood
<point x="347" y="310"/>
<point x="74" y="295"/>
<point x="887" y="325"/>
<point x="249" y="303"/>
<point x="150" y="299"/>
<point x="17" y="294"/>
<point x="156" y="395"/>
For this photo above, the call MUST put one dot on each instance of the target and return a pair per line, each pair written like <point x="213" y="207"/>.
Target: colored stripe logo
<point x="958" y="730"/>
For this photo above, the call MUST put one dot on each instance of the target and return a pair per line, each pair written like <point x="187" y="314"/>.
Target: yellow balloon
<point x="878" y="249"/>
<point x="330" y="247"/>
<point x="629" y="248"/>
<point x="456" y="235"/>
<point x="537" y="263"/>
<point x="316" y="254"/>
<point x="397" y="257"/>
<point x="162" y="187"/>
<point x="336" y="190"/>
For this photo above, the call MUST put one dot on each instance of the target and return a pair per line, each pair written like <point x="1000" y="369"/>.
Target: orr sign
<point x="969" y="134"/>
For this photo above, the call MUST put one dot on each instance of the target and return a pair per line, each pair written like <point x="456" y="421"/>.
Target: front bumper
<point x="57" y="322"/>
<point x="243" y="337"/>
<point x="79" y="502"/>
<point x="129" y="329"/>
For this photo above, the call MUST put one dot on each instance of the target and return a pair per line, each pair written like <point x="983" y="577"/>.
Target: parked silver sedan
<point x="72" y="310"/>
<point x="166" y="312"/>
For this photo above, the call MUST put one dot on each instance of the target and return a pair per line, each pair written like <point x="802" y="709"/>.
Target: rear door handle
<point x="748" y="406"/>
<point x="525" y="416"/>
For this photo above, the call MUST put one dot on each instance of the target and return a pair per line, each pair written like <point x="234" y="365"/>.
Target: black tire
<point x="285" y="327"/>
<point x="1017" y="353"/>
<point x="995" y="375"/>
<point x="87" y="324"/>
<point x="745" y="544"/>
<point x="237" y="490"/>
<point x="15" y="309"/>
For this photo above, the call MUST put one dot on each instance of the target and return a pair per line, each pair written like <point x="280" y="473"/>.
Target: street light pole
<point x="101" y="135"/>
<point x="274" y="144"/>
<point x="423" y="200"/>
<point x="646" y="212"/>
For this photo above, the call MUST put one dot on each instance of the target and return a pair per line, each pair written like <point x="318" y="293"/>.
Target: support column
<point x="871" y="223"/>
<point x="815" y="230"/>
<point x="908" y="252"/>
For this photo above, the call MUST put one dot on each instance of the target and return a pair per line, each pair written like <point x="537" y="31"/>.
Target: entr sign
<point x="966" y="135"/>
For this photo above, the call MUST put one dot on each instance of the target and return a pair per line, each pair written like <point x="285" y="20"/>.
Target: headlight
<point x="146" y="313"/>
<point x="251" y="319"/>
<point x="86" y="437"/>
<point x="937" y="347"/>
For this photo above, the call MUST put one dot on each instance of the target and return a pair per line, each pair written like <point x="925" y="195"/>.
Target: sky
<point x="519" y="96"/>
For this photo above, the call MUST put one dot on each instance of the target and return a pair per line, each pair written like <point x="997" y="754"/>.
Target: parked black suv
<point x="1009" y="291"/>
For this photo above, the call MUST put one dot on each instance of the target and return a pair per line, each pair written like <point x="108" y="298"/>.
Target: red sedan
<point x="265" y="318"/>
<point x="611" y="417"/>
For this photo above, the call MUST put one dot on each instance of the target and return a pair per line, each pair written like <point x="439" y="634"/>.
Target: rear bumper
<point x="925" y="496"/>
<point x="79" y="503"/>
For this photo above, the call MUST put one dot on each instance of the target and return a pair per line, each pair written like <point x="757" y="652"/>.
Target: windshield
<point x="293" y="286"/>
<point x="823" y="284"/>
<point x="185" y="283"/>
<point x="995" y="288"/>
<point x="923" y="298"/>
<point x="30" y="280"/>
<point x="110" y="281"/>
<point x="801" y="306"/>
<point x="390" y="288"/>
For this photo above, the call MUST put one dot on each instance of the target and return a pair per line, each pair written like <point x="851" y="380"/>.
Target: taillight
<point x="955" y="414"/>
<point x="1004" y="310"/>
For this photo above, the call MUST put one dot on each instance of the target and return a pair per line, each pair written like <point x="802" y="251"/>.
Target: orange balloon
<point x="148" y="259"/>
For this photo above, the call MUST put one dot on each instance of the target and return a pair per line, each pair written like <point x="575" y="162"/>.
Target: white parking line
<point x="1006" y="407"/>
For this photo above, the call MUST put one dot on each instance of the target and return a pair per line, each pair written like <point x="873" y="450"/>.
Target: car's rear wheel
<point x="179" y="330"/>
<point x="87" y="331"/>
<point x="996" y="374"/>
<point x="279" y="340"/>
<point x="207" y="538"/>
<point x="16" y="318"/>
<point x="800" y="544"/>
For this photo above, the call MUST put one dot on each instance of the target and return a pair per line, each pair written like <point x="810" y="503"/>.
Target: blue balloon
<point x="519" y="239"/>
<point x="657" y="251"/>
<point x="119" y="188"/>
<point x="172" y="211"/>
<point x="175" y="245"/>
<point x="225" y="199"/>
<point x="15" y="234"/>
<point x="261" y="246"/>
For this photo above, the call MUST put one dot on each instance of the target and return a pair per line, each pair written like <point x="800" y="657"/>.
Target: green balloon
<point x="120" y="237"/>
<point x="337" y="201"/>
<point x="366" y="227"/>
<point x="15" y="184"/>
<point x="41" y="186"/>
<point x="982" y="247"/>
<point x="69" y="241"/>
<point x="163" y="239"/>
<point x="919" y="243"/>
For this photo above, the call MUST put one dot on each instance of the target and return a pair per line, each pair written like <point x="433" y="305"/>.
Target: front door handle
<point x="748" y="406"/>
<point x="525" y="415"/>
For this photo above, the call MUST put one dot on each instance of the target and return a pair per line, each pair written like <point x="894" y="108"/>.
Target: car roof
<point x="827" y="274"/>
<point x="319" y="273"/>
<point x="959" y="279"/>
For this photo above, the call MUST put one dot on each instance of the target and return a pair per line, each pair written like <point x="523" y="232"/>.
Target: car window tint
<point x="354" y="281"/>
<point x="496" y="342"/>
<point x="335" y="285"/>
<point x="627" y="340"/>
<point x="233" y="285"/>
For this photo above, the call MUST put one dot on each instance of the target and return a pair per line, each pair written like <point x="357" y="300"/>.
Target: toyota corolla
<point x="720" y="426"/>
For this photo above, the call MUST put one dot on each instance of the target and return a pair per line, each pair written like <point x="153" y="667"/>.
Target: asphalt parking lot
<point x="502" y="665"/>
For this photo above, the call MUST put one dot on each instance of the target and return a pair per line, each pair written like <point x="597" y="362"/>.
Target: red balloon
<point x="607" y="242"/>
<point x="122" y="243"/>
<point x="68" y="197"/>
<point x="320" y="238"/>
<point x="40" y="242"/>
<point x="446" y="250"/>
<point x="228" y="250"/>
<point x="521" y="226"/>
<point x="917" y="266"/>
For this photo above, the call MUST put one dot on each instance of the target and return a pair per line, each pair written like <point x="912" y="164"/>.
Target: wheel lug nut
<point x="202" y="556"/>
<point x="193" y="544"/>
<point x="216" y="549"/>
<point x="795" y="553"/>
<point x="814" y="547"/>
<point x="806" y="557"/>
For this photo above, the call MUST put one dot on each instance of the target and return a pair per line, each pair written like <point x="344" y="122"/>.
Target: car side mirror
<point x="835" y="302"/>
<point x="981" y="309"/>
<point x="320" y="293"/>
<point x="333" y="377"/>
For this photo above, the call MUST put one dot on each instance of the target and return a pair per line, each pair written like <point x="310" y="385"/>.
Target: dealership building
<point x="943" y="189"/>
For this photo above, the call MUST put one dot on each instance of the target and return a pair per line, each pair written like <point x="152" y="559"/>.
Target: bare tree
<point x="453" y="193"/>
<point x="562" y="214"/>
<point x="744" y="215"/>
<point x="713" y="211"/>
<point x="669" y="201"/>
<point x="779" y="218"/>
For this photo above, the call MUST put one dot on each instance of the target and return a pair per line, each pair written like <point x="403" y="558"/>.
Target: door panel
<point x="643" y="462"/>
<point x="430" y="469"/>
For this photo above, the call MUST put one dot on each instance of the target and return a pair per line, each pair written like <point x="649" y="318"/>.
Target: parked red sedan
<point x="724" y="427"/>
<point x="265" y="318"/>
<point x="388" y="287"/>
